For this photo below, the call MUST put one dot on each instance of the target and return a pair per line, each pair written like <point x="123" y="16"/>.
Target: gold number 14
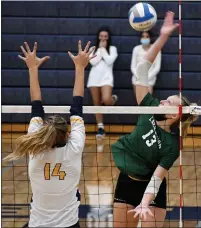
<point x="56" y="171"/>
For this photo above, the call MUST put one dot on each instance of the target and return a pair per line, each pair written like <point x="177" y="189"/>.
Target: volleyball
<point x="142" y="17"/>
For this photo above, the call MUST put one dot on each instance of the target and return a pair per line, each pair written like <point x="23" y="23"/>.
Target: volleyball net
<point x="99" y="173"/>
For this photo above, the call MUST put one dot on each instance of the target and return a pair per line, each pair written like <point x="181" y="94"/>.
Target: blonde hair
<point x="187" y="119"/>
<point x="52" y="133"/>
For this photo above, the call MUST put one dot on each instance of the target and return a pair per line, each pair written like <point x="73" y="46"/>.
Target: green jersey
<point x="139" y="153"/>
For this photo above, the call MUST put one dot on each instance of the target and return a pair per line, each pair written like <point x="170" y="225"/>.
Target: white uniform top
<point x="137" y="56"/>
<point x="101" y="73"/>
<point x="54" y="177"/>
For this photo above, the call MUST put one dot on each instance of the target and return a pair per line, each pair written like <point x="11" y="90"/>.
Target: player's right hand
<point x="83" y="57"/>
<point x="142" y="212"/>
<point x="168" y="26"/>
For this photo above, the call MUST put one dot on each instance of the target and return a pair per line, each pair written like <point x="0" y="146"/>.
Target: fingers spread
<point x="27" y="47"/>
<point x="71" y="55"/>
<point x="130" y="211"/>
<point x="137" y="214"/>
<point x="79" y="46"/>
<point x="170" y="17"/>
<point x="93" y="56"/>
<point x="45" y="59"/>
<point x="150" y="213"/>
<point x="176" y="25"/>
<point x="23" y="50"/>
<point x="144" y="216"/>
<point x="35" y="47"/>
<point x="24" y="59"/>
<point x="91" y="51"/>
<point x="87" y="46"/>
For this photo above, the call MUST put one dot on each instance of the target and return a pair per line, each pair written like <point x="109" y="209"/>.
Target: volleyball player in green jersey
<point x="145" y="155"/>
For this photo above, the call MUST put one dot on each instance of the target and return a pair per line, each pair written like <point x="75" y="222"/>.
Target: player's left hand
<point x="142" y="212"/>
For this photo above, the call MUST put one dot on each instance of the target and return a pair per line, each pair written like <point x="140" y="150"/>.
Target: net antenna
<point x="180" y="124"/>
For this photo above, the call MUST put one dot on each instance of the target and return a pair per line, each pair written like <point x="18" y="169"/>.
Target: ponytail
<point x="34" y="143"/>
<point x="187" y="119"/>
<point x="187" y="123"/>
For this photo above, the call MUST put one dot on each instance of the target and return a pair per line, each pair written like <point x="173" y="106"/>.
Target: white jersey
<point x="54" y="177"/>
<point x="101" y="73"/>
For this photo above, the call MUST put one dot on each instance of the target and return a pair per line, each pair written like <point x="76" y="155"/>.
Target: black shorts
<point x="77" y="225"/>
<point x="131" y="192"/>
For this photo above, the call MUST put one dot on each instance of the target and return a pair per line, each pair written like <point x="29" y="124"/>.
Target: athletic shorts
<point x="77" y="225"/>
<point x="131" y="192"/>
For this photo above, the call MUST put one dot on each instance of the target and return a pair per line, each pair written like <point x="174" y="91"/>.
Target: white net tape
<point x="196" y="110"/>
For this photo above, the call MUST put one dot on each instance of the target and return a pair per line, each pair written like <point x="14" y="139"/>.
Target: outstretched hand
<point x="83" y="57"/>
<point x="30" y="58"/>
<point x="141" y="211"/>
<point x="168" y="26"/>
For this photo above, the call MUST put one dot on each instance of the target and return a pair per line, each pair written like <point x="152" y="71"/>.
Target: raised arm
<point x="109" y="58"/>
<point x="144" y="66"/>
<point x="33" y="63"/>
<point x="77" y="136"/>
<point x="81" y="61"/>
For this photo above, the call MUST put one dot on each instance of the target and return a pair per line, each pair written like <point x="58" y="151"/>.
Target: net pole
<point x="180" y="114"/>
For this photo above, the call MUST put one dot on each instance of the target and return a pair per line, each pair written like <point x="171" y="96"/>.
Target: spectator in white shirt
<point x="100" y="79"/>
<point x="138" y="52"/>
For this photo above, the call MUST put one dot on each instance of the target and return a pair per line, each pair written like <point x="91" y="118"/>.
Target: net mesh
<point x="99" y="172"/>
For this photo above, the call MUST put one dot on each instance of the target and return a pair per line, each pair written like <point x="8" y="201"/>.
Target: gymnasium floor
<point x="97" y="185"/>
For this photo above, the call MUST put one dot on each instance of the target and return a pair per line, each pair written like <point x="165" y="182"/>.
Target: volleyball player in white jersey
<point x="54" y="156"/>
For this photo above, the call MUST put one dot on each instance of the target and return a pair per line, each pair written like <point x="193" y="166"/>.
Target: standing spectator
<point x="100" y="79"/>
<point x="138" y="52"/>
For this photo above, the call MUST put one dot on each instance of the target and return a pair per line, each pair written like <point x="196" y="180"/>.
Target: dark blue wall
<point x="57" y="26"/>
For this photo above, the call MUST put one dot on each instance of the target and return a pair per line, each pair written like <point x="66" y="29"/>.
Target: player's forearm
<point x="153" y="186"/>
<point x="147" y="199"/>
<point x="35" y="91"/>
<point x="79" y="82"/>
<point x="156" y="48"/>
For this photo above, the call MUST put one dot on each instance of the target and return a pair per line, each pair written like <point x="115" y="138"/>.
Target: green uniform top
<point x="139" y="153"/>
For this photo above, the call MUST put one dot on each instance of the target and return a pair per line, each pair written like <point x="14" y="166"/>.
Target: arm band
<point x="154" y="185"/>
<point x="142" y="72"/>
<point x="76" y="107"/>
<point x="37" y="109"/>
